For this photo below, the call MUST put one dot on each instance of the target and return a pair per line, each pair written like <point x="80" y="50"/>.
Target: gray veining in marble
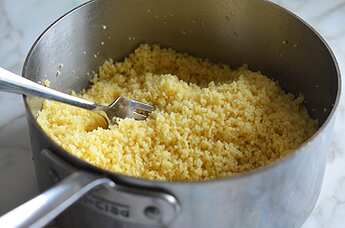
<point x="22" y="21"/>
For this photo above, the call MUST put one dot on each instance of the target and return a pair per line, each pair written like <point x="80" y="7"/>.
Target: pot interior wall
<point x="234" y="32"/>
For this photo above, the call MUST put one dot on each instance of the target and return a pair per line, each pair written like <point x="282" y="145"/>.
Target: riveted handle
<point x="42" y="209"/>
<point x="128" y="204"/>
<point x="133" y="204"/>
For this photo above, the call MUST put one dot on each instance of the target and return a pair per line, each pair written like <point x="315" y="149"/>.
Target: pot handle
<point x="42" y="209"/>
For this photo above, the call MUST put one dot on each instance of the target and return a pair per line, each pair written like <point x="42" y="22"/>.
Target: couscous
<point x="210" y="121"/>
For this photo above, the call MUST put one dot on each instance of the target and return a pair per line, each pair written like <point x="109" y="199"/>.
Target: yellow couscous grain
<point x="210" y="121"/>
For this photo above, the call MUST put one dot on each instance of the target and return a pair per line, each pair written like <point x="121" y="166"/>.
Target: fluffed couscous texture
<point x="210" y="121"/>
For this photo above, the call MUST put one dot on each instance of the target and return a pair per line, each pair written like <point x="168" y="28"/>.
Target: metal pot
<point x="259" y="33"/>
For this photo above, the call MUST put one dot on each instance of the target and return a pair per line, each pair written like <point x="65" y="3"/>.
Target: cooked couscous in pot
<point x="210" y="121"/>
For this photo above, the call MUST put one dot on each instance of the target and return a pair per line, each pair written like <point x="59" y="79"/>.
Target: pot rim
<point x="72" y="159"/>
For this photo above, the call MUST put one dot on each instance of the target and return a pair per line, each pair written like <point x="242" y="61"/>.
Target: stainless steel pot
<point x="258" y="33"/>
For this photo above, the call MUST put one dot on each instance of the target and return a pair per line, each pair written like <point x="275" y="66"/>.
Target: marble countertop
<point x="22" y="21"/>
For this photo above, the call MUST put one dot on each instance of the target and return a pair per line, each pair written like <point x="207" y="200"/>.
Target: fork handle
<point x="12" y="83"/>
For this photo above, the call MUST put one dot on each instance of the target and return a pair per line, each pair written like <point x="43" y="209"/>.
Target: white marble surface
<point x="21" y="21"/>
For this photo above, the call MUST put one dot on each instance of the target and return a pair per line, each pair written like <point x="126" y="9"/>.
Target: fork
<point x="122" y="107"/>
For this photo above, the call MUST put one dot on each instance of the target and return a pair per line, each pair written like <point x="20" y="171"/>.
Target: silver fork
<point x="122" y="107"/>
